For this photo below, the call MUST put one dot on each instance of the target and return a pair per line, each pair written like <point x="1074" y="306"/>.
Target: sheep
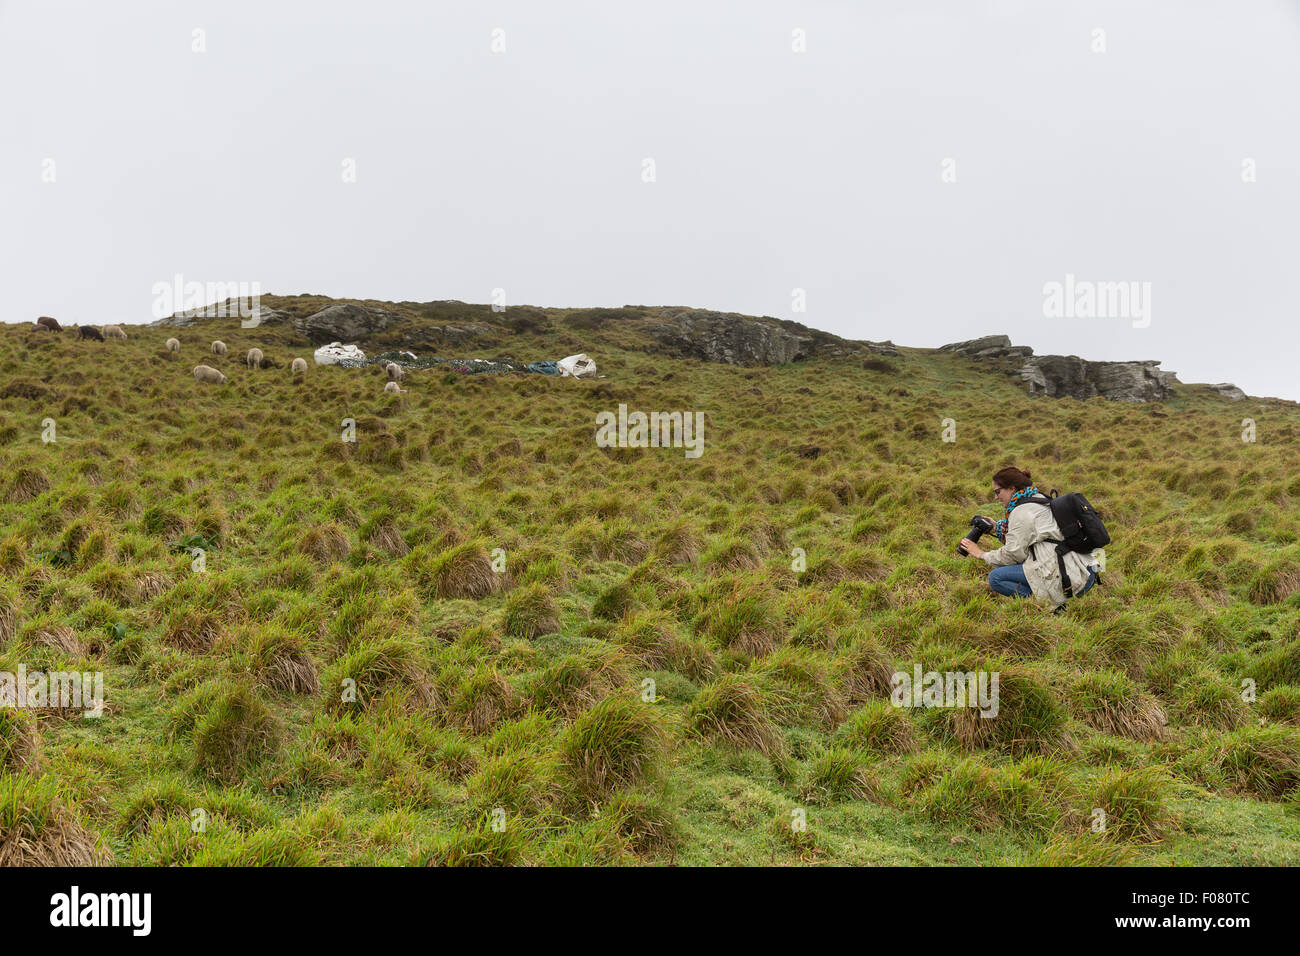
<point x="45" y="322"/>
<point x="395" y="372"/>
<point x="113" y="332"/>
<point x="254" y="358"/>
<point x="206" y="373"/>
<point x="89" y="332"/>
<point x="393" y="388"/>
<point x="298" y="365"/>
<point x="218" y="347"/>
<point x="173" y="345"/>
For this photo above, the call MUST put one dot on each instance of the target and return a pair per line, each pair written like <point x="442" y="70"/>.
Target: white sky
<point x="775" y="170"/>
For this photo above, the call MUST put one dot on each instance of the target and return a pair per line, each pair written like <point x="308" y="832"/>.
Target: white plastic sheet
<point x="336" y="352"/>
<point x="578" y="366"/>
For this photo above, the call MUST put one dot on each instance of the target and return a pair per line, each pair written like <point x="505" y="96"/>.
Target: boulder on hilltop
<point x="989" y="347"/>
<point x="345" y="322"/>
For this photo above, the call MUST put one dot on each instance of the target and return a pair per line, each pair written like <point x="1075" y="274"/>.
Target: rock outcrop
<point x="229" y="309"/>
<point x="728" y="337"/>
<point x="989" y="347"/>
<point x="342" y="323"/>
<point x="264" y="316"/>
<point x="1229" y="391"/>
<point x="1068" y="376"/>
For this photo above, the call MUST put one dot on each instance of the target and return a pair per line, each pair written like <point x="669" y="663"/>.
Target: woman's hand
<point x="972" y="549"/>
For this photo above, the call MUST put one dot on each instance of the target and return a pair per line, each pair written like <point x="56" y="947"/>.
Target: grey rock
<point x="729" y="338"/>
<point x="975" y="346"/>
<point x="990" y="347"/>
<point x="345" y="322"/>
<point x="227" y="310"/>
<point x="264" y="316"/>
<point x="1229" y="391"/>
<point x="1068" y="376"/>
<point x="882" y="348"/>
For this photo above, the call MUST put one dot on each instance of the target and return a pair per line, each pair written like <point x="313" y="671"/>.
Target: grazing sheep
<point x="173" y="345"/>
<point x="45" y="322"/>
<point x="218" y="347"/>
<point x="254" y="358"/>
<point x="89" y="332"/>
<point x="206" y="373"/>
<point x="393" y="388"/>
<point x="298" y="365"/>
<point x="395" y="372"/>
<point x="113" y="332"/>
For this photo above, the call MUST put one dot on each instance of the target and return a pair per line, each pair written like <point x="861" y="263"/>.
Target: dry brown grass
<point x="47" y="836"/>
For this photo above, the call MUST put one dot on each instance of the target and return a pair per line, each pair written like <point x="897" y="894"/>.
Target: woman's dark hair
<point x="1012" y="477"/>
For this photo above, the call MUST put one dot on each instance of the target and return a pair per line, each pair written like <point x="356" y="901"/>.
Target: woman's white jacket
<point x="1031" y="536"/>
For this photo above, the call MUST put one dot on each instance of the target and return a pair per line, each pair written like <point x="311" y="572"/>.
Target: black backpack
<point x="1081" y="528"/>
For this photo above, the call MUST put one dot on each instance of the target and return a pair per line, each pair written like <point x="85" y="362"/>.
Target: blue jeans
<point x="1010" y="580"/>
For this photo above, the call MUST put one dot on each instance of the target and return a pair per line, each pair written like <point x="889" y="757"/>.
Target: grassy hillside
<point x="516" y="696"/>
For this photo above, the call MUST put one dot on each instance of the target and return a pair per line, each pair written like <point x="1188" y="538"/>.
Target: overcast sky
<point x="774" y="170"/>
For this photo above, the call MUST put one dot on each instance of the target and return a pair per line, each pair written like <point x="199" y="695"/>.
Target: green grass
<point x="473" y="637"/>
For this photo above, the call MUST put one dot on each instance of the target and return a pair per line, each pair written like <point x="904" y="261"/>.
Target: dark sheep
<point x="46" y="322"/>
<point x="90" y="332"/>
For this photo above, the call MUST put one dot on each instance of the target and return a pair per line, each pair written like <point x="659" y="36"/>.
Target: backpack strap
<point x="1060" y="563"/>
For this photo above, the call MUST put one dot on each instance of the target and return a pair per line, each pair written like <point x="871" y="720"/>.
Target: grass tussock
<point x="230" y="730"/>
<point x="20" y="742"/>
<point x="839" y="774"/>
<point x="531" y="612"/>
<point x="38" y="829"/>
<point x="731" y="711"/>
<point x="616" y="744"/>
<point x="1114" y="704"/>
<point x="463" y="571"/>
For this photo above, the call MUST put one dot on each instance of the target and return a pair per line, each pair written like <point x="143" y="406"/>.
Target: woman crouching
<point x="1026" y="564"/>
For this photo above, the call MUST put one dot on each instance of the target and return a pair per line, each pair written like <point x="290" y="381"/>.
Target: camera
<point x="978" y="525"/>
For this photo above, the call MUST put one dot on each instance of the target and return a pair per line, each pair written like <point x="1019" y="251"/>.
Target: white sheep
<point x="173" y="345"/>
<point x="218" y="347"/>
<point x="206" y="373"/>
<point x="254" y="358"/>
